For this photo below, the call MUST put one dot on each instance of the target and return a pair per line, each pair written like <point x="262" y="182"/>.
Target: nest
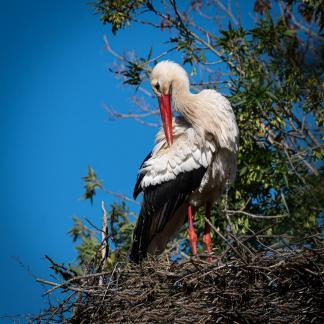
<point x="277" y="287"/>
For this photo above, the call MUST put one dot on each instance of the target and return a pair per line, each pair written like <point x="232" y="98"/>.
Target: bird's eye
<point x="157" y="86"/>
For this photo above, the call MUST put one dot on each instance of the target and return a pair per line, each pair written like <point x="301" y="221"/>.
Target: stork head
<point x="165" y="76"/>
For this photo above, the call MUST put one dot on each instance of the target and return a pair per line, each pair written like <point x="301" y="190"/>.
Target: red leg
<point x="192" y="234"/>
<point x="206" y="237"/>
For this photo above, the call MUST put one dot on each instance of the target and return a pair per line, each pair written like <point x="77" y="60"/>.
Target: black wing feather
<point x="138" y="188"/>
<point x="160" y="203"/>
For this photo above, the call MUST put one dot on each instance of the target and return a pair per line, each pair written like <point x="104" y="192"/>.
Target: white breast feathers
<point x="189" y="151"/>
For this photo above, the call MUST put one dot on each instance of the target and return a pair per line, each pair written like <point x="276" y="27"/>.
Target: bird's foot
<point x="208" y="242"/>
<point x="193" y="241"/>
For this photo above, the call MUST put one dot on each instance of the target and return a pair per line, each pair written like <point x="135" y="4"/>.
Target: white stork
<point x="193" y="157"/>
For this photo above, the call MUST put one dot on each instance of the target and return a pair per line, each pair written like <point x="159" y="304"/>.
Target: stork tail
<point x="140" y="239"/>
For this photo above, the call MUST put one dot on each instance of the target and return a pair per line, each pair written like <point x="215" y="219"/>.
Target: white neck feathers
<point x="208" y="112"/>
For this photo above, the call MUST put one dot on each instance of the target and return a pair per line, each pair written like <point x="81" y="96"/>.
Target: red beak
<point x="165" y="110"/>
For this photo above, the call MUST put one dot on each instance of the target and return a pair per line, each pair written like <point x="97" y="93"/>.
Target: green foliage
<point x="121" y="226"/>
<point x="276" y="79"/>
<point x="88" y="247"/>
<point x="135" y="71"/>
<point x="91" y="183"/>
<point x="117" y="12"/>
<point x="313" y="8"/>
<point x="89" y="240"/>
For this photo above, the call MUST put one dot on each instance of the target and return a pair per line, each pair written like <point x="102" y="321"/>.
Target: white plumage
<point x="205" y="144"/>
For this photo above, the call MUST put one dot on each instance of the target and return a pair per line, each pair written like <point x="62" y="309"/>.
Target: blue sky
<point x="54" y="80"/>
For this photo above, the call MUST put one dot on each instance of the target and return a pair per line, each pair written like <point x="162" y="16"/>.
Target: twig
<point x="104" y="240"/>
<point x="225" y="240"/>
<point x="119" y="195"/>
<point x="104" y="233"/>
<point x="227" y="11"/>
<point x="256" y="216"/>
<point x="137" y="117"/>
<point x="67" y="282"/>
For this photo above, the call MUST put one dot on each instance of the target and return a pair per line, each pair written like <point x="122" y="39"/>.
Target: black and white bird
<point x="193" y="158"/>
